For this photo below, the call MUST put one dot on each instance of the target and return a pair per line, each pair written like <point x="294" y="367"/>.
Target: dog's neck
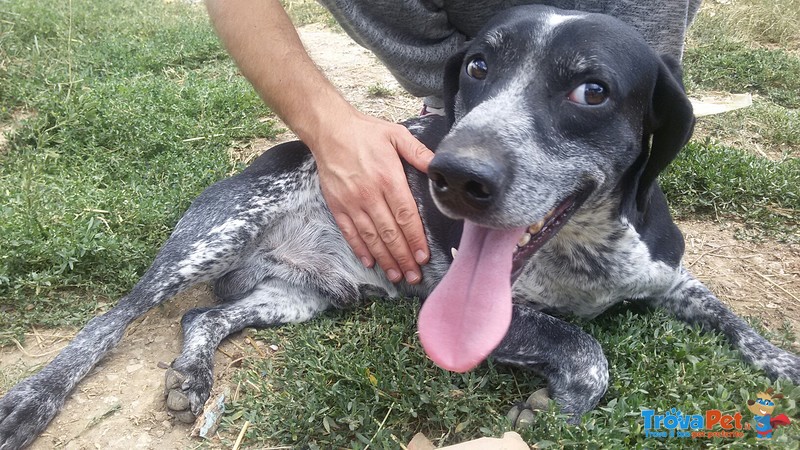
<point x="596" y="224"/>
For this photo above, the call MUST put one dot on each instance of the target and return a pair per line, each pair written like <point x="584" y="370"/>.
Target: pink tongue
<point x="469" y="312"/>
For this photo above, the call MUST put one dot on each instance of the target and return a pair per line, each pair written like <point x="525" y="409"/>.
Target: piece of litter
<point x="510" y="441"/>
<point x="206" y="425"/>
<point x="420" y="442"/>
<point x="717" y="104"/>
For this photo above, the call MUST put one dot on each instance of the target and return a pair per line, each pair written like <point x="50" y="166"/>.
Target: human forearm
<point x="358" y="157"/>
<point x="262" y="40"/>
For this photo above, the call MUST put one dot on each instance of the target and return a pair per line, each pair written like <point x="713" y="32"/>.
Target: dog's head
<point x="550" y="111"/>
<point x="545" y="104"/>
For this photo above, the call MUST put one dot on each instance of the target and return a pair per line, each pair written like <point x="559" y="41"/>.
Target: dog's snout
<point x="460" y="182"/>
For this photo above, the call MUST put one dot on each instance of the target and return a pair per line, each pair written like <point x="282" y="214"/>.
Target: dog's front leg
<point x="273" y="302"/>
<point x="572" y="361"/>
<point x="691" y="301"/>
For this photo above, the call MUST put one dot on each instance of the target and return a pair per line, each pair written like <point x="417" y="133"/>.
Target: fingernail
<point x="412" y="277"/>
<point x="393" y="275"/>
<point x="420" y="257"/>
<point x="366" y="262"/>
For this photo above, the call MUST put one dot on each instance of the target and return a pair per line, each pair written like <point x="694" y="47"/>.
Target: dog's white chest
<point x="590" y="275"/>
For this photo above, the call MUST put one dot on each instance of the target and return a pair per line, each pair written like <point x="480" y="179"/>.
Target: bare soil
<point x="758" y="280"/>
<point x="7" y="127"/>
<point x="120" y="404"/>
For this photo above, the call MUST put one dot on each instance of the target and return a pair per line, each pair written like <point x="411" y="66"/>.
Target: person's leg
<point x="663" y="23"/>
<point x="412" y="39"/>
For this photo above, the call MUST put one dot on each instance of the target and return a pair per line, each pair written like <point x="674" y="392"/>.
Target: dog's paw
<point x="26" y="410"/>
<point x="522" y="414"/>
<point x="186" y="392"/>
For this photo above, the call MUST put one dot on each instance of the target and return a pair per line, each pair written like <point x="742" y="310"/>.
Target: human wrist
<point x="322" y="121"/>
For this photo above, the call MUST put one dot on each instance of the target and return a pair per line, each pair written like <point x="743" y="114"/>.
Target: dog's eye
<point x="589" y="94"/>
<point x="477" y="68"/>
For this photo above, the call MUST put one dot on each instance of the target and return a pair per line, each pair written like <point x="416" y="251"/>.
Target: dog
<point x="544" y="180"/>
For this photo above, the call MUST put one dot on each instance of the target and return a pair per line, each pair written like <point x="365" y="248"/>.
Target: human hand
<point x="358" y="156"/>
<point x="363" y="182"/>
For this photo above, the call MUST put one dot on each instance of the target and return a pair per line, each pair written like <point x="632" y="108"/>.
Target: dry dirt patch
<point x="761" y="280"/>
<point x="8" y="127"/>
<point x="120" y="404"/>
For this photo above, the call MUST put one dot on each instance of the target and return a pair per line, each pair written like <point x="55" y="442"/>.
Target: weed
<point x="380" y="91"/>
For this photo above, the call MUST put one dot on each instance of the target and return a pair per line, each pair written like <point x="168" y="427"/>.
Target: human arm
<point x="360" y="171"/>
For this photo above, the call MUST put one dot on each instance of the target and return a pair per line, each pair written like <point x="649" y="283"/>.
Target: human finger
<point x="353" y="238"/>
<point x="412" y="150"/>
<point x="384" y="239"/>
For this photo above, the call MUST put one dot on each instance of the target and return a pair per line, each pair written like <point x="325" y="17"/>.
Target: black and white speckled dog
<point x="559" y="119"/>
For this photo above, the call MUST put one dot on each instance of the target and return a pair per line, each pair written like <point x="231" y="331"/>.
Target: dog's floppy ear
<point x="669" y="122"/>
<point x="452" y="73"/>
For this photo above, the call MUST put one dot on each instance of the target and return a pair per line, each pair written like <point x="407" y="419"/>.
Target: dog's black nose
<point x="459" y="181"/>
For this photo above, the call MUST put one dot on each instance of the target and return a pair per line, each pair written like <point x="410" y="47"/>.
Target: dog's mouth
<point x="536" y="235"/>
<point x="469" y="311"/>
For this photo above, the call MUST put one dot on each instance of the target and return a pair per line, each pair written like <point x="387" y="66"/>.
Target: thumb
<point x="414" y="152"/>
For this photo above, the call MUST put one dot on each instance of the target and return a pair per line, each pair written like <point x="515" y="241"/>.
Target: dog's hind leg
<point x="274" y="302"/>
<point x="29" y="406"/>
<point x="692" y="302"/>
<point x="570" y="360"/>
<point x="206" y="243"/>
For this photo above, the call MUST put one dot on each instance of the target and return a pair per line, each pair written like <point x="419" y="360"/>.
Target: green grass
<point x="764" y="129"/>
<point x="379" y="90"/>
<point x="756" y="22"/>
<point x="750" y="46"/>
<point x="708" y="180"/>
<point x="129" y="110"/>
<point x="735" y="67"/>
<point x="746" y="46"/>
<point x="305" y="12"/>
<point x="361" y="377"/>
